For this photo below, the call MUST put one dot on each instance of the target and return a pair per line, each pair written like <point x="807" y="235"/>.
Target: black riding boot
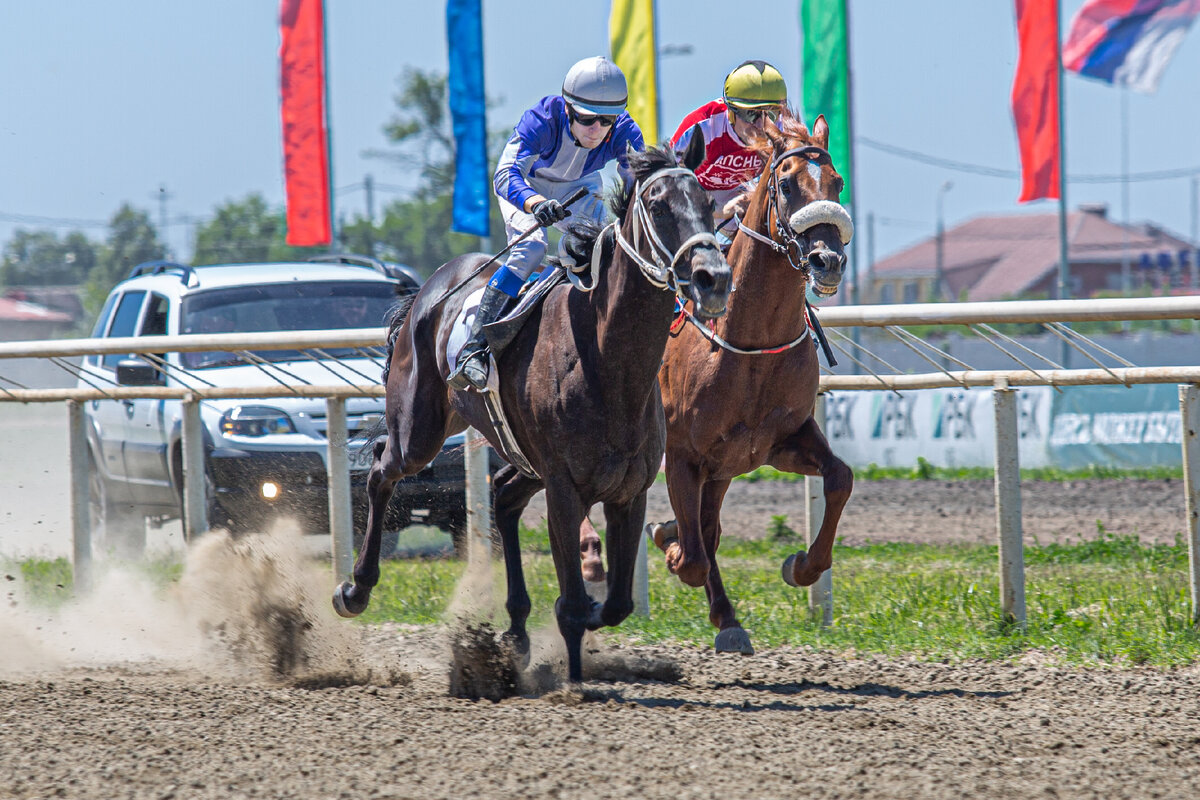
<point x="472" y="366"/>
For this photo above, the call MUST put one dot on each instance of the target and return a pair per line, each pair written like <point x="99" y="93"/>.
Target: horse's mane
<point x="581" y="237"/>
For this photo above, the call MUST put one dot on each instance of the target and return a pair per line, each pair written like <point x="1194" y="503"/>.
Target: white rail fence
<point x="1054" y="315"/>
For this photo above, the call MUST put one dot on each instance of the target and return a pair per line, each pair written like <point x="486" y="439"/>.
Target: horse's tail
<point x="395" y="318"/>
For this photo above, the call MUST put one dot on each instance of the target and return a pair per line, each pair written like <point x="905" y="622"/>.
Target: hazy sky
<point x="103" y="103"/>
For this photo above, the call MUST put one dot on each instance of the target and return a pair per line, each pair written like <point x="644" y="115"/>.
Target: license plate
<point x="361" y="456"/>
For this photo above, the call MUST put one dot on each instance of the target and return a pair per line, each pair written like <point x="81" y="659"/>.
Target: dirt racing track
<point x="242" y="684"/>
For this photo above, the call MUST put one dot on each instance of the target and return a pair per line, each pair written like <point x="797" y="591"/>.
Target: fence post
<point x="81" y="512"/>
<point x="337" y="471"/>
<point x="820" y="594"/>
<point x="195" y="483"/>
<point x="1008" y="503"/>
<point x="1189" y="408"/>
<point x="476" y="455"/>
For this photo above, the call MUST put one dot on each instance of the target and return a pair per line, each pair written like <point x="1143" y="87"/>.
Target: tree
<point x="416" y="230"/>
<point x="40" y="258"/>
<point x="132" y="240"/>
<point x="244" y="232"/>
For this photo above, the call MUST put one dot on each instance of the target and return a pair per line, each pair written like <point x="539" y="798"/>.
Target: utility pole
<point x="939" y="280"/>
<point x="369" y="186"/>
<point x="163" y="197"/>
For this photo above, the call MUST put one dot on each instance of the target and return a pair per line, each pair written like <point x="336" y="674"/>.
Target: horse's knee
<point x="839" y="481"/>
<point x="693" y="573"/>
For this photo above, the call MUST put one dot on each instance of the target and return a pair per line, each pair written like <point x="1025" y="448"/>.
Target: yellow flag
<point x="631" y="31"/>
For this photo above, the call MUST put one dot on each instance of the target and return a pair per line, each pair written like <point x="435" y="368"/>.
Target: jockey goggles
<point x="750" y="116"/>
<point x="588" y="120"/>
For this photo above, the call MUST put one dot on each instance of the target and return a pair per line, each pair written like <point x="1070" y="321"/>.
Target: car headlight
<point x="255" y="421"/>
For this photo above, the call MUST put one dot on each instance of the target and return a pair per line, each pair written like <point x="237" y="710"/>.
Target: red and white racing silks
<point x="728" y="162"/>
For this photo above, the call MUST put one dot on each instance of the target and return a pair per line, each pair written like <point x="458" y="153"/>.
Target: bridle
<point x="661" y="273"/>
<point x="786" y="241"/>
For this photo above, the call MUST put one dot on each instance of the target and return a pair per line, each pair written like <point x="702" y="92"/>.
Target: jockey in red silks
<point x="754" y="92"/>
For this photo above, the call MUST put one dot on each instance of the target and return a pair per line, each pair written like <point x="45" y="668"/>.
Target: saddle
<point x="499" y="334"/>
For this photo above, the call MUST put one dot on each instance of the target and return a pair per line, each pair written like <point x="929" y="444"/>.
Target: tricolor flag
<point x="634" y="50"/>
<point x="305" y="134"/>
<point x="1127" y="42"/>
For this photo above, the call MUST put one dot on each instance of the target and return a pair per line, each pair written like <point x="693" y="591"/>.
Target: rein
<point x="661" y="273"/>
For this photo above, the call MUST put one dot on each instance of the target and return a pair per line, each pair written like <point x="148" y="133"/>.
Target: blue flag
<point x="472" y="184"/>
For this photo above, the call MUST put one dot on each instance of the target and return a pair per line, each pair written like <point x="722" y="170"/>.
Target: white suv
<point x="264" y="458"/>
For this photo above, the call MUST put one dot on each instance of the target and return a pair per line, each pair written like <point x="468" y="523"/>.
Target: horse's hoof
<point x="788" y="564"/>
<point x="517" y="646"/>
<point x="343" y="604"/>
<point x="662" y="533"/>
<point x="734" y="640"/>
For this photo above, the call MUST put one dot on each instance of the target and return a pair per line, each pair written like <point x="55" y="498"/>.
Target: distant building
<point x="21" y="320"/>
<point x="1010" y="257"/>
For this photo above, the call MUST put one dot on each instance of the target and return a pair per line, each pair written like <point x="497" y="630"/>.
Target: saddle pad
<point x="501" y="332"/>
<point x="461" y="330"/>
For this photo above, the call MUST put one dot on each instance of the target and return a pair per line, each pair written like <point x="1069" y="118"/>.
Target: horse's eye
<point x="838" y="185"/>
<point x="658" y="209"/>
<point x="786" y="188"/>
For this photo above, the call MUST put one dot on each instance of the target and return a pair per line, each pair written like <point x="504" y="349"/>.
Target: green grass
<point x="923" y="470"/>
<point x="1109" y="601"/>
<point x="1112" y="601"/>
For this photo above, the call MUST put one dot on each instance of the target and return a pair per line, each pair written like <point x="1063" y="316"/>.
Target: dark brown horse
<point x="579" y="387"/>
<point x="741" y="394"/>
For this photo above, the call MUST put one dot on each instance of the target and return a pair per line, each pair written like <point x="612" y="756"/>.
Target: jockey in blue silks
<point x="558" y="146"/>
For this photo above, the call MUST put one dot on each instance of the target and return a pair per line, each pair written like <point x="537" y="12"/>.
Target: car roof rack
<point x="160" y="266"/>
<point x="390" y="269"/>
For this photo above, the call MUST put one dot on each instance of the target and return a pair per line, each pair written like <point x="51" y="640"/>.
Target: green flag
<point x="826" y="71"/>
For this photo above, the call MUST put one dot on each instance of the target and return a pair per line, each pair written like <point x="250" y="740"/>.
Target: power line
<point x="994" y="172"/>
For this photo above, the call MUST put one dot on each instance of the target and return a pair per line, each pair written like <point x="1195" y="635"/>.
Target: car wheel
<point x="118" y="528"/>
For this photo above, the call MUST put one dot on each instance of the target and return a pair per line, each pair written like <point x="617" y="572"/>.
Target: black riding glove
<point x="549" y="212"/>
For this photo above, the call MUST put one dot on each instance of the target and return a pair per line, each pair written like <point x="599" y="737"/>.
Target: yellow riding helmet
<point x="754" y="84"/>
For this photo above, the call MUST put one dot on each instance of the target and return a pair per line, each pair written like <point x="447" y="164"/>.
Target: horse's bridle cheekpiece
<point x="814" y="213"/>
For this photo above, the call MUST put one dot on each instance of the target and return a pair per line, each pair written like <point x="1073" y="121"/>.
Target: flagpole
<point x="1064" y="268"/>
<point x="328" y="127"/>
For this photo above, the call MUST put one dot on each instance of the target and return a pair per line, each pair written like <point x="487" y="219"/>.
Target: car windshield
<point x="297" y="306"/>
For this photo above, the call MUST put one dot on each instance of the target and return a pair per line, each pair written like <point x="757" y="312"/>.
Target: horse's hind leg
<point x="512" y="493"/>
<point x="808" y="453"/>
<point x="731" y="637"/>
<point x="400" y="457"/>
<point x="574" y="610"/>
<point x="623" y="529"/>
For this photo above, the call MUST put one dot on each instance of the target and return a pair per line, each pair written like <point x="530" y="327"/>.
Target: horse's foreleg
<point x="808" y="453"/>
<point x="624" y="526"/>
<point x="351" y="599"/>
<point x="574" y="610"/>
<point x="686" y="556"/>
<point x="512" y="493"/>
<point x="731" y="637"/>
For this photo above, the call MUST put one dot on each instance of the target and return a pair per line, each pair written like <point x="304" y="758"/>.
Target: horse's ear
<point x="820" y="132"/>
<point x="694" y="155"/>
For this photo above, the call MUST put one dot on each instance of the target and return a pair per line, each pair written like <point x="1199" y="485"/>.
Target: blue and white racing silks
<point x="542" y="157"/>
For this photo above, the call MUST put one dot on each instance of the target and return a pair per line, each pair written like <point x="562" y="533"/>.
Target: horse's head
<point x="667" y="215"/>
<point x="805" y="190"/>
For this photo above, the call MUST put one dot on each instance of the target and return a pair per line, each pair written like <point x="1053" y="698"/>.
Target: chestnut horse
<point x="741" y="394"/>
<point x="579" y="388"/>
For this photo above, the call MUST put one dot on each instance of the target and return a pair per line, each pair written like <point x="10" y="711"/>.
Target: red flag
<point x="302" y="103"/>
<point x="1035" y="98"/>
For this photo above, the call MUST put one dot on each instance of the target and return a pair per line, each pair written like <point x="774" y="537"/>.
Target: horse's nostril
<point x="703" y="280"/>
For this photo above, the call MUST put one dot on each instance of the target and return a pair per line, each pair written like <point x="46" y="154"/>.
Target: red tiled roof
<point x="21" y="311"/>
<point x="1001" y="257"/>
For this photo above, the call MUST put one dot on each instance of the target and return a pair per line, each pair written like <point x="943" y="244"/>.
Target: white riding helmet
<point x="596" y="86"/>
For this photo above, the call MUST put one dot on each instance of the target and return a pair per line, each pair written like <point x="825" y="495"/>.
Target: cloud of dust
<point x="254" y="607"/>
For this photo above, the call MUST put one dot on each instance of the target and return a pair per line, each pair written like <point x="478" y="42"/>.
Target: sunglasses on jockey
<point x="750" y="116"/>
<point x="588" y="120"/>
